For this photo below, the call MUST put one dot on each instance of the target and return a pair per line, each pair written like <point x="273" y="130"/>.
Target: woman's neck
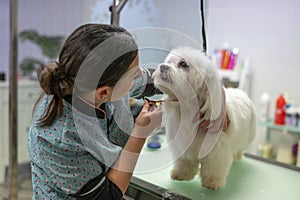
<point x="91" y="99"/>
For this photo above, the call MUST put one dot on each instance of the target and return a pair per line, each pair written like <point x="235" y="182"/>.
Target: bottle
<point x="280" y="110"/>
<point x="233" y="58"/>
<point x="217" y="58"/>
<point x="298" y="155"/>
<point x="291" y="116"/>
<point x="288" y="99"/>
<point x="226" y="57"/>
<point x="298" y="117"/>
<point x="264" y="107"/>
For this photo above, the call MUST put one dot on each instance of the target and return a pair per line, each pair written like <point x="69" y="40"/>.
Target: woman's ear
<point x="103" y="93"/>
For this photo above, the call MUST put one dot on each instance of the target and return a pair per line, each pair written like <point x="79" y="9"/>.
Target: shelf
<point x="230" y="75"/>
<point x="285" y="129"/>
<point x="271" y="125"/>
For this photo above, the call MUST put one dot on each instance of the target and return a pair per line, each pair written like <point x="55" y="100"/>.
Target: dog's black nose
<point x="163" y="68"/>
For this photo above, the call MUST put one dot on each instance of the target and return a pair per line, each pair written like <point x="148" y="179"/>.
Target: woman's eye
<point x="183" y="64"/>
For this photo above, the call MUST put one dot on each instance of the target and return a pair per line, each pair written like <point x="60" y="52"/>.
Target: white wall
<point x="268" y="32"/>
<point x="169" y="26"/>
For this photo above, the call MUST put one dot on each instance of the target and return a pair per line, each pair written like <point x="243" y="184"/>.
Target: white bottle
<point x="264" y="107"/>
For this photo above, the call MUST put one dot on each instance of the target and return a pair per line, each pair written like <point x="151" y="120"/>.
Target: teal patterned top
<point x="80" y="145"/>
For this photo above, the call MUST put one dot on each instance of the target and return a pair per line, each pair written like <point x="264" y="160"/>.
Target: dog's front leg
<point x="214" y="170"/>
<point x="184" y="169"/>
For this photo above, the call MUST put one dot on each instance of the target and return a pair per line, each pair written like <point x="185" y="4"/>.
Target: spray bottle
<point x="280" y="110"/>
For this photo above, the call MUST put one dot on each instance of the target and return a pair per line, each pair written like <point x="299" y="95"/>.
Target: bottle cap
<point x="265" y="97"/>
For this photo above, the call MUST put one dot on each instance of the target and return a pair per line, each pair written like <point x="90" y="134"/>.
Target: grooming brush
<point x="154" y="102"/>
<point x="158" y="102"/>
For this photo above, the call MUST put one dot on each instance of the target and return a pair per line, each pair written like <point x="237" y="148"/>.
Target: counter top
<point x="248" y="179"/>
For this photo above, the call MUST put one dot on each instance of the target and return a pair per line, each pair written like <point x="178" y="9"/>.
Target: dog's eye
<point x="182" y="64"/>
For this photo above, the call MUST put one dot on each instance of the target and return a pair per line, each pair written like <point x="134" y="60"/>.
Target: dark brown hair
<point x="102" y="52"/>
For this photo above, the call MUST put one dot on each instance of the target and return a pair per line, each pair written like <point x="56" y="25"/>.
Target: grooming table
<point x="250" y="178"/>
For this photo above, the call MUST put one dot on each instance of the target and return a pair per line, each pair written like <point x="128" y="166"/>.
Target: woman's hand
<point x="205" y="123"/>
<point x="148" y="120"/>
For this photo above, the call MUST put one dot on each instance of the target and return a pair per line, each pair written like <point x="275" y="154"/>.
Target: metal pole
<point x="116" y="9"/>
<point x="114" y="15"/>
<point x="13" y="103"/>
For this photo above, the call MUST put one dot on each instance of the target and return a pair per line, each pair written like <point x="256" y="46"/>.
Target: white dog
<point x="192" y="87"/>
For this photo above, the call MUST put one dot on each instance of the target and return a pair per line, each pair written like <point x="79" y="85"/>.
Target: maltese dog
<point x="206" y="123"/>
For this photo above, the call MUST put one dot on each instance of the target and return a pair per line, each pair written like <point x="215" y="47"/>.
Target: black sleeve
<point x="150" y="89"/>
<point x="99" y="188"/>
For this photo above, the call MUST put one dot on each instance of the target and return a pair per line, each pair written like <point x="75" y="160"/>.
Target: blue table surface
<point x="248" y="179"/>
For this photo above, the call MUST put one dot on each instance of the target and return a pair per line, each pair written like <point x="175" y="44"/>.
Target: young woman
<point x="83" y="142"/>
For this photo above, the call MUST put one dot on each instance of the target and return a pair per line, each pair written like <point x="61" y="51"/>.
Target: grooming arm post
<point x="116" y="9"/>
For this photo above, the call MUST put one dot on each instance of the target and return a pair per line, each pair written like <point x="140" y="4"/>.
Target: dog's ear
<point x="215" y="93"/>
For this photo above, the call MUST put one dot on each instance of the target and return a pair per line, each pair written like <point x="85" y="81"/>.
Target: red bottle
<point x="280" y="110"/>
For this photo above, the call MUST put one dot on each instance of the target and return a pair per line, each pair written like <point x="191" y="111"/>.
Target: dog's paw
<point x="180" y="175"/>
<point x="213" y="183"/>
<point x="238" y="156"/>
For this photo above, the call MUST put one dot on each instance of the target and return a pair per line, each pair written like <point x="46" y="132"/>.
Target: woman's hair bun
<point x="49" y="77"/>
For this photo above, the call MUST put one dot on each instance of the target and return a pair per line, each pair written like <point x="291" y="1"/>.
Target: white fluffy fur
<point x="198" y="88"/>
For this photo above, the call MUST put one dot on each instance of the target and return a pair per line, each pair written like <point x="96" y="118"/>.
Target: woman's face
<point x="127" y="80"/>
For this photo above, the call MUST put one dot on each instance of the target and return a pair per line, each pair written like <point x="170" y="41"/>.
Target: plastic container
<point x="265" y="150"/>
<point x="291" y="116"/>
<point x="154" y="142"/>
<point x="280" y="110"/>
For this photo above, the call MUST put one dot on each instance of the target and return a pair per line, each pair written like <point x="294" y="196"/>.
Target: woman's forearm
<point x="147" y="121"/>
<point x="121" y="172"/>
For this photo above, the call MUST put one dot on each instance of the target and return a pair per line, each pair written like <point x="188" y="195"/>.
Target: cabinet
<point x="28" y="92"/>
<point x="285" y="146"/>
